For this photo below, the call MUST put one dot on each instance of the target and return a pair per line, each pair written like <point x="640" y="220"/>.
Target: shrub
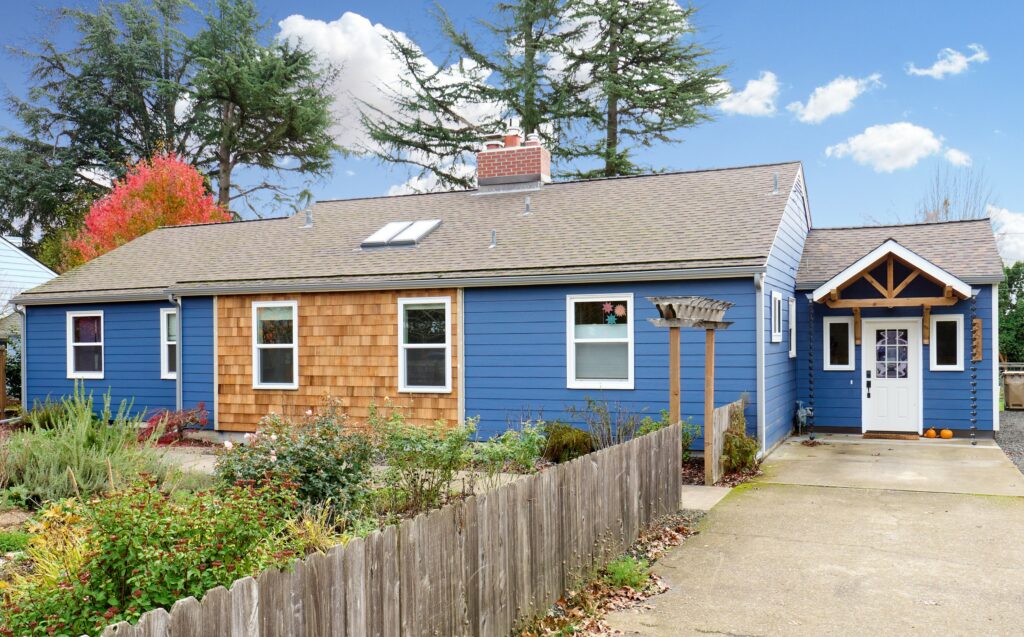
<point x="565" y="442"/>
<point x="146" y="549"/>
<point x="690" y="430"/>
<point x="739" y="451"/>
<point x="13" y="541"/>
<point x="42" y="458"/>
<point x="422" y="462"/>
<point x="328" y="461"/>
<point x="516" y="450"/>
<point x="608" y="425"/>
<point x="627" y="571"/>
<point x="170" y="426"/>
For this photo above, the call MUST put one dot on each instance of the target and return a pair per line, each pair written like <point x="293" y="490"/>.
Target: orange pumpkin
<point x="946" y="434"/>
<point x="930" y="433"/>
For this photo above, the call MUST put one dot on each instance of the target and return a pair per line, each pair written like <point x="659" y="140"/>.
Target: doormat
<point x="884" y="436"/>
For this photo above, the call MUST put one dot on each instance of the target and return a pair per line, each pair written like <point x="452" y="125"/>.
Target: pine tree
<point x="442" y="113"/>
<point x="636" y="76"/>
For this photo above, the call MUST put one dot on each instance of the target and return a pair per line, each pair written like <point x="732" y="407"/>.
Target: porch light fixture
<point x="700" y="313"/>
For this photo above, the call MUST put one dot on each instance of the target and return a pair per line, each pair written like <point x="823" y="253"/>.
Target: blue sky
<point x="895" y="129"/>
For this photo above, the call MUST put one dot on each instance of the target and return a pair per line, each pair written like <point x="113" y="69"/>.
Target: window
<point x="947" y="343"/>
<point x="275" y="356"/>
<point x="168" y="343"/>
<point x="839" y="343"/>
<point x="424" y="347"/>
<point x="600" y="341"/>
<point x="792" y="327"/>
<point x="776" y="317"/>
<point x="85" y="344"/>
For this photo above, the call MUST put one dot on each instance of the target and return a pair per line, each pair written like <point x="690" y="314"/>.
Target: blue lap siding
<point x="515" y="361"/>
<point x="837" y="394"/>
<point x="131" y="344"/>
<point x="131" y="337"/>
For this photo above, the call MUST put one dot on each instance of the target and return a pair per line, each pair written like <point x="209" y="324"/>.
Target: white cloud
<point x="428" y="182"/>
<point x="834" y="98"/>
<point x="957" y="157"/>
<point x="1009" y="229"/>
<point x="367" y="68"/>
<point x="951" y="62"/>
<point x="757" y="98"/>
<point x="350" y="173"/>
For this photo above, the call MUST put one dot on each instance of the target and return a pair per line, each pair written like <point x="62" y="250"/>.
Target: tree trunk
<point x="611" y="141"/>
<point x="224" y="165"/>
<point x="531" y="118"/>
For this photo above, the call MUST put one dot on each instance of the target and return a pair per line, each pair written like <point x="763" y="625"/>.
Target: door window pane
<point x="839" y="343"/>
<point x="892" y="351"/>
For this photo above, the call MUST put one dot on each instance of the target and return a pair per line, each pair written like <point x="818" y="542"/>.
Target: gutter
<point x="179" y="373"/>
<point x="119" y="297"/>
<point x="20" y="309"/>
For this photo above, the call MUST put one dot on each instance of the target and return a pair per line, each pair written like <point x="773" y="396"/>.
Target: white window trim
<point x="570" y="337"/>
<point x="71" y="316"/>
<point x="419" y="389"/>
<point x="776" y="316"/>
<point x="792" y="327"/>
<point x="294" y="345"/>
<point x="933" y="350"/>
<point x="165" y="372"/>
<point x="829" y="320"/>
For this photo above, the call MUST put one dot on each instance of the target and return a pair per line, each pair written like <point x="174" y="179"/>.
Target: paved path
<point x="835" y="557"/>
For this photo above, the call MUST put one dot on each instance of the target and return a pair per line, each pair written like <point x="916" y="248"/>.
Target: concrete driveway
<point x="853" y="538"/>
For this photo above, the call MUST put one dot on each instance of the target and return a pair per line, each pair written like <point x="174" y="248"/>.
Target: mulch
<point x="693" y="473"/>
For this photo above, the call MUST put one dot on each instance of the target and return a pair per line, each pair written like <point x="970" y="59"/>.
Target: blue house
<point x="524" y="298"/>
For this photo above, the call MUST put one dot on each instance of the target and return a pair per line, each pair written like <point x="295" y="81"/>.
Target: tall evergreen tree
<point x="1011" y="313"/>
<point x="637" y="76"/>
<point x="440" y="114"/>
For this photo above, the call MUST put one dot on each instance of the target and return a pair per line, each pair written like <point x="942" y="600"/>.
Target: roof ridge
<point x="574" y="181"/>
<point x="904" y="225"/>
<point x="224" y="223"/>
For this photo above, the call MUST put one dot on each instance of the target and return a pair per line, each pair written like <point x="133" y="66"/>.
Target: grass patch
<point x="627" y="571"/>
<point x="11" y="541"/>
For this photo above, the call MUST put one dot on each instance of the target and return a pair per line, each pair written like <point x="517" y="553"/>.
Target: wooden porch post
<point x="709" y="407"/>
<point x="674" y="407"/>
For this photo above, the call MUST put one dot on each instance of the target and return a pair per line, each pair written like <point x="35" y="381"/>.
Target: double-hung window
<point x="600" y="341"/>
<point x="425" y="345"/>
<point x="168" y="343"/>
<point x="947" y="343"/>
<point x="275" y="349"/>
<point x="839" y="346"/>
<point x="85" y="344"/>
<point x="776" y="317"/>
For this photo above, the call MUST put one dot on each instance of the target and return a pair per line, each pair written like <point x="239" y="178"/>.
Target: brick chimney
<point x="509" y="160"/>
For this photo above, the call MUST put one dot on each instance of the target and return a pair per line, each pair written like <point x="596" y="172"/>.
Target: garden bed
<point x="693" y="473"/>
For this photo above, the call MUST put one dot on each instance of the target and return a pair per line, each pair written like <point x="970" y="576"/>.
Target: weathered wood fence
<point x="477" y="567"/>
<point x="721" y="418"/>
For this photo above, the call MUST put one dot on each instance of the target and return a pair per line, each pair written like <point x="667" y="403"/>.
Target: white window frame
<point x="72" y="373"/>
<point x="570" y="336"/>
<point x="776" y="316"/>
<point x="828" y="321"/>
<point x="402" y="347"/>
<point x="792" y="327"/>
<point x="165" y="362"/>
<point x="932" y="343"/>
<point x="256" y="347"/>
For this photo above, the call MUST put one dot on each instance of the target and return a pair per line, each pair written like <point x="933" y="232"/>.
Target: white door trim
<point x="867" y="352"/>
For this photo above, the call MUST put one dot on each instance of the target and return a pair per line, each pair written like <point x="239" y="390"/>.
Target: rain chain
<point x="974" y="371"/>
<point x="810" y="369"/>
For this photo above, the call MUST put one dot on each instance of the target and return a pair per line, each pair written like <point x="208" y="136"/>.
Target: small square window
<point x="947" y="342"/>
<point x="838" y="343"/>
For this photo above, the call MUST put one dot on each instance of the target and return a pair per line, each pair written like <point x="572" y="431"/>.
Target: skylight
<point x="401" y="233"/>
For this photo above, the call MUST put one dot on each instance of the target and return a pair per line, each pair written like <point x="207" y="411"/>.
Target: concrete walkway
<point x="885" y="539"/>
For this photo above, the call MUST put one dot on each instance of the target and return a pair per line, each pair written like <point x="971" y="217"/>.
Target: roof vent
<point x="401" y="233"/>
<point x="775" y="186"/>
<point x="309" y="218"/>
<point x="526" y="208"/>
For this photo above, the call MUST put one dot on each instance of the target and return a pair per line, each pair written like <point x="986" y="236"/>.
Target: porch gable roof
<point x="891" y="246"/>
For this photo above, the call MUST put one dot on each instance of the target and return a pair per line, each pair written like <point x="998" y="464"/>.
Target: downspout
<point x="179" y="372"/>
<point x="20" y="309"/>
<point x="759" y="314"/>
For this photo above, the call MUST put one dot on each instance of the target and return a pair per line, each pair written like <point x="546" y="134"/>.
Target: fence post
<point x="674" y="407"/>
<point x="709" y="407"/>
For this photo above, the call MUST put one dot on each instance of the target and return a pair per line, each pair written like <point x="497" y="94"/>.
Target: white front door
<point x="891" y="368"/>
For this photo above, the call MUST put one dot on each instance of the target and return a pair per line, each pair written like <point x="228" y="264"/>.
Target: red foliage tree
<point x="162" y="191"/>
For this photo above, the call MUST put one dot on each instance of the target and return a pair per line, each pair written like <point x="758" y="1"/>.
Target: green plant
<point x="421" y="462"/>
<point x="516" y="450"/>
<point x="327" y="460"/>
<point x="690" y="430"/>
<point x="627" y="571"/>
<point x="76" y="452"/>
<point x="739" y="451"/>
<point x="144" y="549"/>
<point x="13" y="541"/>
<point x="565" y="442"/>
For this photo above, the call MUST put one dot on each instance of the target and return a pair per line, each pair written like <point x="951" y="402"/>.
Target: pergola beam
<point x="914" y="301"/>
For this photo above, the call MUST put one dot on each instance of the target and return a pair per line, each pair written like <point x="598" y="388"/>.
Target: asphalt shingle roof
<point x="965" y="249"/>
<point x="698" y="219"/>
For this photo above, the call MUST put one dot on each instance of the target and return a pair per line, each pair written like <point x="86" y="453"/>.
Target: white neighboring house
<point x="18" y="272"/>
